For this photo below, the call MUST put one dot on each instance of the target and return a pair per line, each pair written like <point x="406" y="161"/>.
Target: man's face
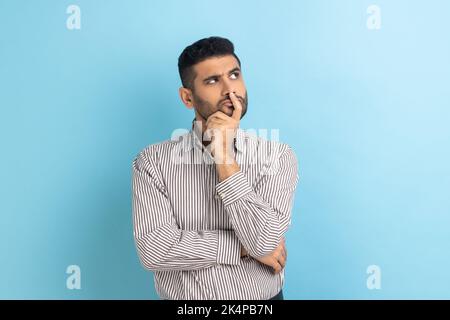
<point x="215" y="79"/>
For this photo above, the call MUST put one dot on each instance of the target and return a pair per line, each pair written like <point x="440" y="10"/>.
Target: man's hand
<point x="222" y="130"/>
<point x="276" y="259"/>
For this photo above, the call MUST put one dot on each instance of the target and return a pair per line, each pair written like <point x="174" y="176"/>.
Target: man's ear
<point x="186" y="97"/>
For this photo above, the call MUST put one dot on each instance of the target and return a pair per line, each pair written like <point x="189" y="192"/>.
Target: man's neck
<point x="202" y="124"/>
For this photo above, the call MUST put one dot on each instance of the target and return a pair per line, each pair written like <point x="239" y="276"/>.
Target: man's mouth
<point x="227" y="103"/>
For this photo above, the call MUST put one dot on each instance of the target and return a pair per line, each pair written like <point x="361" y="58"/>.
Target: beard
<point x="205" y="108"/>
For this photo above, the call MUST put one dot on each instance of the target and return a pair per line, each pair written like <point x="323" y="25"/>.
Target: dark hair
<point x="200" y="51"/>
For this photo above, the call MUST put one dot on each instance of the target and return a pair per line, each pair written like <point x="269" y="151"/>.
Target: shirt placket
<point x="209" y="197"/>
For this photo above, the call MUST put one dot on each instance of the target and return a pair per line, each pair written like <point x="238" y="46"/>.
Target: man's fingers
<point x="277" y="267"/>
<point x="216" y="116"/>
<point x="282" y="261"/>
<point x="216" y="121"/>
<point x="237" y="112"/>
<point x="283" y="252"/>
<point x="283" y="248"/>
<point x="282" y="243"/>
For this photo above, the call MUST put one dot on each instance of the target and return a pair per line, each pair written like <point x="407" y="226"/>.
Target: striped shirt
<point x="189" y="227"/>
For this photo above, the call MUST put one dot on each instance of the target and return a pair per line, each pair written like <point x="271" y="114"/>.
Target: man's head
<point x="209" y="70"/>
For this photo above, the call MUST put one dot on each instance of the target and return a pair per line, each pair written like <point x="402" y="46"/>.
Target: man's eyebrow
<point x="218" y="75"/>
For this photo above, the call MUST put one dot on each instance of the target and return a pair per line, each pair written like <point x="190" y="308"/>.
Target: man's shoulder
<point x="155" y="150"/>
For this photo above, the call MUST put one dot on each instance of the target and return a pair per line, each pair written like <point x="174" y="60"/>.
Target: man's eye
<point x="235" y="75"/>
<point x="210" y="81"/>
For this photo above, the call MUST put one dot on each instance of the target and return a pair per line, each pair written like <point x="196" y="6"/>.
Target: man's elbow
<point x="148" y="257"/>
<point x="267" y="244"/>
<point x="263" y="248"/>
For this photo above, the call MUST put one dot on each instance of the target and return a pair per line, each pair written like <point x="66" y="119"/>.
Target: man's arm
<point x="160" y="243"/>
<point x="260" y="217"/>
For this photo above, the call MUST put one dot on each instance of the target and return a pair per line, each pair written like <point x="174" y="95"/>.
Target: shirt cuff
<point x="233" y="188"/>
<point x="229" y="248"/>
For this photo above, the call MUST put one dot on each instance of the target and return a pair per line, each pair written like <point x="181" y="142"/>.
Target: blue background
<point x="366" y="111"/>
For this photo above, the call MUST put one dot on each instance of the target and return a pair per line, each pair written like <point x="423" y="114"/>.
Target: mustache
<point x="228" y="99"/>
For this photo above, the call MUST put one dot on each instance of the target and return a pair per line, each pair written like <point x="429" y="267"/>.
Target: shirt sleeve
<point x="160" y="243"/>
<point x="261" y="214"/>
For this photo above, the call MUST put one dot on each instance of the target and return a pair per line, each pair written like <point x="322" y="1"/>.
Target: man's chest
<point x="192" y="194"/>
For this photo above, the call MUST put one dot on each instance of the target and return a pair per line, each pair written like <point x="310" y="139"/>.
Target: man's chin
<point x="227" y="110"/>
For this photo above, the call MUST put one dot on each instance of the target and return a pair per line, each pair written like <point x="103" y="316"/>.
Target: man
<point x="211" y="209"/>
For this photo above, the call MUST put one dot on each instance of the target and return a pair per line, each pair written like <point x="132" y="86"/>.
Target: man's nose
<point x="227" y="88"/>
